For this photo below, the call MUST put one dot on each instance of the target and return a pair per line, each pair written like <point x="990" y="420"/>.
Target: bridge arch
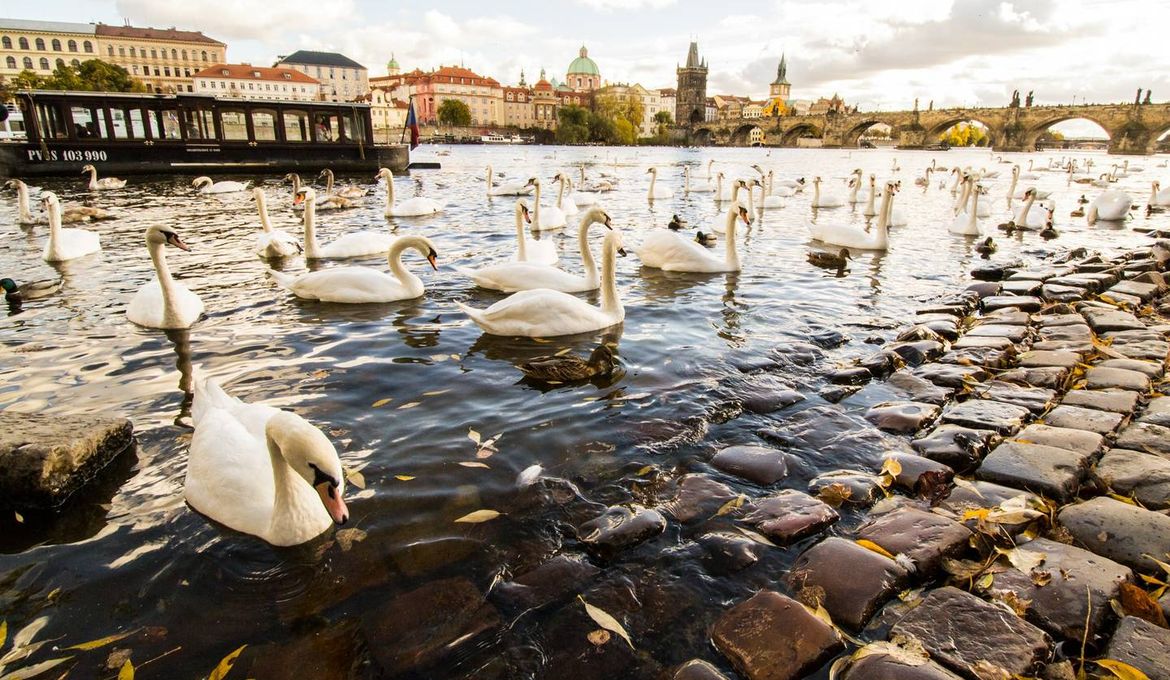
<point x="1033" y="132"/>
<point x="788" y="137"/>
<point x="938" y="128"/>
<point x="741" y="136"/>
<point x="851" y="136"/>
<point x="703" y="137"/>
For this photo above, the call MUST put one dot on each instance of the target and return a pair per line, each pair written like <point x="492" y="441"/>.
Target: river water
<point x="397" y="387"/>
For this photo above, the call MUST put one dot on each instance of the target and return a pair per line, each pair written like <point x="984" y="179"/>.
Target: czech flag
<point x="412" y="123"/>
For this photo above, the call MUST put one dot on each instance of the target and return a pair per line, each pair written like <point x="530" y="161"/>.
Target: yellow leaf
<point x="435" y="393"/>
<point x="478" y="516"/>
<point x="19" y="517"/>
<point x="603" y="619"/>
<point x="225" y="664"/>
<point x="410" y="405"/>
<point x="357" y="479"/>
<point x="1122" y="670"/>
<point x="473" y="436"/>
<point x="474" y="464"/>
<point x="35" y="669"/>
<point x="347" y="537"/>
<point x="404" y="478"/>
<point x="101" y="642"/>
<point x="645" y="470"/>
<point x="3" y="633"/>
<point x="975" y="513"/>
<point x="1123" y="499"/>
<point x="985" y="581"/>
<point x="1024" y="560"/>
<point x="381" y="402"/>
<point x="758" y="538"/>
<point x="891" y="467"/>
<point x="731" y="505"/>
<point x="1165" y="567"/>
<point x="127" y="671"/>
<point x="870" y="545"/>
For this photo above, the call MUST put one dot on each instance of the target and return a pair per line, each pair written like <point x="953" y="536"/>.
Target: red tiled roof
<point x="248" y="72"/>
<point x="154" y="34"/>
<point x="542" y="84"/>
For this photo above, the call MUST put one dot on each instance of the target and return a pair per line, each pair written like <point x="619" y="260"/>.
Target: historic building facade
<point x="244" y="81"/>
<point x="483" y="96"/>
<point x="583" y="74"/>
<point x="691" y="97"/>
<point x="342" y="79"/>
<point x="40" y="46"/>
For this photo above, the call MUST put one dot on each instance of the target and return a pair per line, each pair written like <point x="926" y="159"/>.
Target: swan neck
<point x="731" y="256"/>
<point x="536" y="208"/>
<point x="488" y="181"/>
<point x="653" y="178"/>
<point x="610" y="304"/>
<point x="312" y="248"/>
<point x="816" y="193"/>
<point x="884" y="220"/>
<point x="872" y="197"/>
<point x="394" y="256"/>
<point x="973" y="217"/>
<point x="262" y="208"/>
<point x="586" y="253"/>
<point x="329" y="182"/>
<point x="521" y="239"/>
<point x="290" y="516"/>
<point x="1012" y="188"/>
<point x="389" y="192"/>
<point x="166" y="283"/>
<point x="54" y="227"/>
<point x="22" y="199"/>
<point x="561" y="192"/>
<point x="93" y="178"/>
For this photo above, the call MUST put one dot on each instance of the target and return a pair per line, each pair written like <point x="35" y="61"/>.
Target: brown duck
<point x="570" y="368"/>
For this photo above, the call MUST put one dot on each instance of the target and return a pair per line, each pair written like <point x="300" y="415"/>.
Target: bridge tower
<point x="690" y="107"/>
<point x="780" y="88"/>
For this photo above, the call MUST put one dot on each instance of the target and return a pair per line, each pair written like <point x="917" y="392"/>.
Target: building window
<point x="11" y="63"/>
<point x="41" y="44"/>
<point x="154" y="54"/>
<point x="44" y="64"/>
<point x="174" y="55"/>
<point x="27" y="62"/>
<point x="186" y="73"/>
<point x="156" y="73"/>
<point x="121" y="51"/>
<point x="72" y="45"/>
<point x="56" y="45"/>
<point x="60" y="62"/>
<point x="204" y="55"/>
<point x="167" y="71"/>
<point x="87" y="46"/>
<point x="6" y="42"/>
<point x="75" y="63"/>
<point x="184" y="55"/>
<point x="23" y="42"/>
<point x="134" y="69"/>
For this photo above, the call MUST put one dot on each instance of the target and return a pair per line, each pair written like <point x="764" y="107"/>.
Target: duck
<point x="164" y="302"/>
<point x="70" y="214"/>
<point x="272" y="242"/>
<point x="1082" y="200"/>
<point x="516" y="276"/>
<point x="1049" y="231"/>
<point x="853" y="236"/>
<point x="570" y="368"/>
<point x="412" y="207"/>
<point x="321" y="202"/>
<point x="16" y="295"/>
<point x="676" y="223"/>
<point x="260" y="470"/>
<point x="205" y="185"/>
<point x="706" y="240"/>
<point x="1158" y="195"/>
<point x="966" y="222"/>
<point x="354" y="244"/>
<point x="1154" y="209"/>
<point x="545" y="218"/>
<point x="654" y="191"/>
<point x="65" y="243"/>
<point x="1079" y="212"/>
<point x="507" y="187"/>
<point x="344" y="192"/>
<point x="543" y="251"/>
<point x="543" y="312"/>
<point x="828" y="199"/>
<point x="986" y="247"/>
<point x="363" y="285"/>
<point x="104" y="183"/>
<point x="823" y="258"/>
<point x="672" y="252"/>
<point x="1110" y="205"/>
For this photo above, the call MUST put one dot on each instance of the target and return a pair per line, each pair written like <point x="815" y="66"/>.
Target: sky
<point x="877" y="55"/>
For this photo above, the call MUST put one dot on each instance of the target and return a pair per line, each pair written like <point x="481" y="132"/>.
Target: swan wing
<point x="542" y="252"/>
<point x="358" y="244"/>
<point x="540" y="313"/>
<point x="550" y="218"/>
<point x="415" y="207"/>
<point x="846" y="235"/>
<point x="276" y="243"/>
<point x="671" y="252"/>
<point x="353" y="285"/>
<point x="71" y="244"/>
<point x="515" y="276"/>
<point x="147" y="308"/>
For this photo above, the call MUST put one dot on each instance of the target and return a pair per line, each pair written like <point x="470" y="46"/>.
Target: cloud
<point x="239" y="19"/>
<point x="625" y="5"/>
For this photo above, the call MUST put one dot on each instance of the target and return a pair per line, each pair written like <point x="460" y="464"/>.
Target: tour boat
<point x="497" y="138"/>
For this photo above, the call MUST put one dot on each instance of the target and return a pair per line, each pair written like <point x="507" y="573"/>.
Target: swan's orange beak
<point x="333" y="502"/>
<point x="431" y="258"/>
<point x="298" y="199"/>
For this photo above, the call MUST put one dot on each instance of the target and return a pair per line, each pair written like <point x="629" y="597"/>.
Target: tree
<point x="663" y="118"/>
<point x="628" y="108"/>
<point x="454" y="113"/>
<point x="573" y="125"/>
<point x="625" y="132"/>
<point x="92" y="75"/>
<point x="964" y="134"/>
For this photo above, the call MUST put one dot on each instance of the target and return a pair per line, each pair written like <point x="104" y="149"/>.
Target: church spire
<point x="782" y="71"/>
<point x="693" y="56"/>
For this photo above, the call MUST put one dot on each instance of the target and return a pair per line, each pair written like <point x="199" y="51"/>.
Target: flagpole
<point x="410" y="100"/>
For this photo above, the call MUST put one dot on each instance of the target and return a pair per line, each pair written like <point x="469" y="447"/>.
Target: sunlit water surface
<point x="398" y="386"/>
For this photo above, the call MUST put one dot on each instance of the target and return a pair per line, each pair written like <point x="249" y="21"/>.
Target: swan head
<point x="325" y="173"/>
<point x="49" y="198"/>
<point x="257" y="193"/>
<point x="816" y="180"/>
<point x="427" y="248"/>
<point x="522" y="210"/>
<point x="88" y="168"/>
<point x="306" y="195"/>
<point x="15" y="184"/>
<point x="533" y="182"/>
<point x="312" y="457"/>
<point x="201" y="181"/>
<point x="743" y="215"/>
<point x="613" y="239"/>
<point x="383" y="173"/>
<point x="165" y="236"/>
<point x="292" y="177"/>
<point x="596" y="215"/>
<point x="652" y="171"/>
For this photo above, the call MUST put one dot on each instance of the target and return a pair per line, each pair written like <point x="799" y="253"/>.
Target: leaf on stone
<point x="404" y="478"/>
<point x="731" y="505"/>
<point x="870" y="545"/>
<point x="100" y="642"/>
<point x="646" y="469"/>
<point x="381" y="402"/>
<point x="347" y="537"/>
<point x="1165" y="567"/>
<point x="964" y="484"/>
<point x="835" y="494"/>
<point x="1123" y="499"/>
<point x="435" y="393"/>
<point x="1041" y="578"/>
<point x="911" y="654"/>
<point x="1121" y="670"/>
<point x="127" y="671"/>
<point x="409" y="405"/>
<point x="987" y="670"/>
<point x="1137" y="602"/>
<point x="598" y="637"/>
<point x="35" y="669"/>
<point x="478" y="516"/>
<point x="3" y="633"/>
<point x="603" y="619"/>
<point x="1012" y="601"/>
<point x="891" y="467"/>
<point x="962" y="569"/>
<point x="320" y="374"/>
<point x="225" y="664"/>
<point x="474" y="464"/>
<point x="985" y="581"/>
<point x="1024" y="560"/>
<point x="758" y="538"/>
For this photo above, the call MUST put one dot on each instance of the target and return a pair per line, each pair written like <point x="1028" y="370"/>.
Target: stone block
<point x="963" y="633"/>
<point x="758" y="464"/>
<point x="902" y="416"/>
<point x="1021" y="287"/>
<point x="1122" y="532"/>
<point x="1051" y="320"/>
<point x="984" y="414"/>
<point x="1056" y="293"/>
<point x="988" y="357"/>
<point x="999" y="330"/>
<point x="919" y="389"/>
<point x="958" y="447"/>
<point x="1142" y="645"/>
<point x="1143" y="291"/>
<point x="1143" y="476"/>
<point x="1024" y="303"/>
<point x="1152" y="369"/>
<point x="789" y="515"/>
<point x="947" y="375"/>
<point x="1075" y="332"/>
<point x="1082" y="441"/>
<point x="883" y="667"/>
<point x="1148" y="350"/>
<point x="1075" y="417"/>
<point x="1046" y="470"/>
<point x="851" y="595"/>
<point x="1103" y="320"/>
<point x="697" y="669"/>
<point x="726" y="552"/>
<point x="859" y="488"/>
<point x="698" y="497"/>
<point x="855" y="375"/>
<point x="1038" y="358"/>
<point x="1050" y="377"/>
<point x="555" y="580"/>
<point x="1100" y="378"/>
<point x="1035" y="399"/>
<point x="986" y="495"/>
<point x="773" y="637"/>
<point x="921" y="475"/>
<point x="917" y="352"/>
<point x="619" y="528"/>
<point x="1114" y="401"/>
<point x="982" y="342"/>
<point x="1006" y="316"/>
<point x="924" y="537"/>
<point x="1145" y="436"/>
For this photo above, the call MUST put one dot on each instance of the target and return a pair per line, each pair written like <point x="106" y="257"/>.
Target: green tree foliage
<point x="965" y="134"/>
<point x="629" y="108"/>
<point x="573" y="125"/>
<point x="92" y="75"/>
<point x="624" y="132"/>
<point x="455" y="113"/>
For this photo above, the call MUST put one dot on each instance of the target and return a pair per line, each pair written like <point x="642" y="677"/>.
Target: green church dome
<point x="583" y="65"/>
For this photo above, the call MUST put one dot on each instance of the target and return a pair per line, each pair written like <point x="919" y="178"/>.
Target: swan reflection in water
<point x="181" y="339"/>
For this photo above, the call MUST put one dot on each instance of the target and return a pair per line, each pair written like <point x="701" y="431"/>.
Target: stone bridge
<point x="1132" y="129"/>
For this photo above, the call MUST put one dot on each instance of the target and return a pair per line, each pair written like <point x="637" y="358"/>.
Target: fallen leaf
<point x="473" y="436"/>
<point x="962" y="483"/>
<point x="870" y="545"/>
<point x="35" y="669"/>
<point x="409" y="405"/>
<point x="101" y="642"/>
<point x="485" y="452"/>
<point x="117" y="658"/>
<point x="474" y="464"/>
<point x="381" y="402"/>
<point x="357" y="479"/>
<point x="758" y="538"/>
<point x="1121" y="669"/>
<point x="1014" y="602"/>
<point x="730" y="505"/>
<point x="985" y="581"/>
<point x="363" y="494"/>
<point x="404" y="478"/>
<point x="1137" y="602"/>
<point x="319" y="374"/>
<point x="478" y="516"/>
<point x="909" y="653"/>
<point x="1024" y="560"/>
<point x="1041" y="578"/>
<point x="127" y="671"/>
<point x="225" y="664"/>
<point x="347" y="537"/>
<point x="598" y="637"/>
<point x="891" y="467"/>
<point x="3" y="633"/>
<point x="645" y="470"/>
<point x="435" y="393"/>
<point x="603" y="619"/>
<point x="835" y="494"/>
<point x="19" y="517"/>
<point x="962" y="569"/>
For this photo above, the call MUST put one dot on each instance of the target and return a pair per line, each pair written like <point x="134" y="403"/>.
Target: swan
<point x="513" y="276"/>
<point x="164" y="302"/>
<point x="355" y="244"/>
<point x="870" y="211"/>
<point x="1111" y="205"/>
<point x="507" y="187"/>
<point x="272" y="242"/>
<point x="828" y="199"/>
<point x="345" y="192"/>
<point x="924" y="180"/>
<point x="1102" y="181"/>
<point x="982" y="210"/>
<point x="534" y="252"/>
<point x="769" y="199"/>
<point x="672" y="252"/>
<point x="206" y="186"/>
<point x="65" y="244"/>
<point x="797" y="184"/>
<point x="546" y="313"/>
<point x="583" y="198"/>
<point x="260" y="470"/>
<point x="719" y="224"/>
<point x="958" y="176"/>
<point x="104" y="183"/>
<point x="854" y="187"/>
<point x="412" y="207"/>
<point x="361" y="285"/>
<point x="656" y="191"/>
<point x="966" y="222"/>
<point x="704" y="187"/>
<point x="566" y="202"/>
<point x="551" y="217"/>
<point x="70" y="214"/>
<point x="1031" y="173"/>
<point x="897" y="216"/>
<point x="1158" y="195"/>
<point x="322" y="202"/>
<point x="1025" y="217"/>
<point x="853" y="236"/>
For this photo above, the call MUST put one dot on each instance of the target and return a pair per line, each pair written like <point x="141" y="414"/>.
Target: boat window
<point x="264" y="125"/>
<point x="199" y="124"/>
<point x="296" y="126"/>
<point x="88" y="123"/>
<point x="165" y="124"/>
<point x="327" y="127"/>
<point x="51" y="122"/>
<point x="355" y="129"/>
<point x="234" y="125"/>
<point x="119" y="126"/>
<point x="137" y="127"/>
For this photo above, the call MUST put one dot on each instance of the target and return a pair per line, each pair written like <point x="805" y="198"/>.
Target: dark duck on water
<point x="570" y="368"/>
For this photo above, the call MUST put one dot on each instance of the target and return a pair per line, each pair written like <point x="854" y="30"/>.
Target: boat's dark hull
<point x="29" y="159"/>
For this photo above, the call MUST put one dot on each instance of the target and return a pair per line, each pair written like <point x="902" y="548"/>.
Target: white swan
<point x="583" y="198"/>
<point x="206" y="186"/>
<point x="272" y="242"/>
<point x="543" y="251"/>
<point x="768" y="199"/>
<point x="1030" y="174"/>
<point x="513" y="276"/>
<point x="1021" y="194"/>
<point x="719" y="224"/>
<point x="854" y="236"/>
<point x="355" y="244"/>
<point x="982" y="210"/>
<point x="655" y="191"/>
<point x="1111" y="205"/>
<point x="924" y="180"/>
<point x="547" y="313"/>
<point x="703" y="187"/>
<point x="870" y="211"/>
<point x="412" y="207"/>
<point x="104" y="183"/>
<point x="164" y="302"/>
<point x="565" y="195"/>
<point x="65" y="244"/>
<point x="669" y="251"/>
<point x="344" y="192"/>
<point x="70" y="214"/>
<point x="322" y="202"/>
<point x="362" y="285"/>
<point x="828" y="199"/>
<point x="550" y="217"/>
<point x="507" y="187"/>
<point x="966" y="222"/>
<point x="854" y="187"/>
<point x="1025" y="217"/>
<point x="260" y="470"/>
<point x="1158" y="195"/>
